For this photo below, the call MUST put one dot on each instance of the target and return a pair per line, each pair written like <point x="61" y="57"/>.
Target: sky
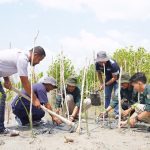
<point x="78" y="27"/>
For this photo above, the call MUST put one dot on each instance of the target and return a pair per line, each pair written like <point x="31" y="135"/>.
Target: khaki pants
<point x="71" y="103"/>
<point x="138" y="110"/>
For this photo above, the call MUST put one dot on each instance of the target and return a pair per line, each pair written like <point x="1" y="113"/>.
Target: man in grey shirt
<point x="16" y="61"/>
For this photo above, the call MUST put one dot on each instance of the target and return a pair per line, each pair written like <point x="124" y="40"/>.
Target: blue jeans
<point x="108" y="94"/>
<point x="2" y="107"/>
<point x="22" y="108"/>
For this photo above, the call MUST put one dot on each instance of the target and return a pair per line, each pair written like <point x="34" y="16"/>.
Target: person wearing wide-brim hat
<point x="20" y="105"/>
<point x="73" y="98"/>
<point x="112" y="71"/>
<point x="128" y="96"/>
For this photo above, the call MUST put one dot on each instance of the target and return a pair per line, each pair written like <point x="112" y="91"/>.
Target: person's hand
<point x="7" y="84"/>
<point x="71" y="118"/>
<point x="56" y="120"/>
<point x="125" y="113"/>
<point x="36" y="103"/>
<point x="103" y="114"/>
<point x="101" y="87"/>
<point x="123" y="124"/>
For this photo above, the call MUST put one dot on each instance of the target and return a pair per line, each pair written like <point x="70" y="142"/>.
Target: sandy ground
<point x="51" y="137"/>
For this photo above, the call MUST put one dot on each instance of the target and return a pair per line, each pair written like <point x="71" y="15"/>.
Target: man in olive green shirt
<point x="73" y="98"/>
<point x="142" y="109"/>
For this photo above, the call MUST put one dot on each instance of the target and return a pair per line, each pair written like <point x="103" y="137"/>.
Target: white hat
<point x="48" y="80"/>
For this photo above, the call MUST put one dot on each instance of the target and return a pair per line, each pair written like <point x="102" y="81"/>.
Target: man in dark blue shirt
<point x="112" y="71"/>
<point x="21" y="106"/>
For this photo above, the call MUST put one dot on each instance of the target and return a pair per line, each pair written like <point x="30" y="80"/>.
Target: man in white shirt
<point x="16" y="61"/>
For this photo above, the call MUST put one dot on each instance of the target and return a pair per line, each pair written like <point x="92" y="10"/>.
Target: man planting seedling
<point x="127" y="96"/>
<point x="73" y="98"/>
<point x="16" y="61"/>
<point x="142" y="109"/>
<point x="21" y="106"/>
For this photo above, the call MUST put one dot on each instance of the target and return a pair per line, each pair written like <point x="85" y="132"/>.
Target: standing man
<point x="112" y="71"/>
<point x="16" y="61"/>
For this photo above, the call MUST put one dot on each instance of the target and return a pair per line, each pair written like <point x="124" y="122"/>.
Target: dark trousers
<point x="2" y="107"/>
<point x="22" y="108"/>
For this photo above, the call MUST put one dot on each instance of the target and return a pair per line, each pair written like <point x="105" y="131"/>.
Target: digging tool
<point x="66" y="121"/>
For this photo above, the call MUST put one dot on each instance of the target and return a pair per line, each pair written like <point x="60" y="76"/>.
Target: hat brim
<point x="71" y="84"/>
<point x="124" y="81"/>
<point x="101" y="60"/>
<point x="55" y="86"/>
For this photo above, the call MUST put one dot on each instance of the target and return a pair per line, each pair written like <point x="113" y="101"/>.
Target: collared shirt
<point x="144" y="98"/>
<point x="13" y="61"/>
<point x="111" y="68"/>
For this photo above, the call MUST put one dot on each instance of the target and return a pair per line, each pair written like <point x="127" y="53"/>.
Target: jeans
<point x="2" y="107"/>
<point x="108" y="94"/>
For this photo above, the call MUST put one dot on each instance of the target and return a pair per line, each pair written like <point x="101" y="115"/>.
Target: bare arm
<point x="27" y="86"/>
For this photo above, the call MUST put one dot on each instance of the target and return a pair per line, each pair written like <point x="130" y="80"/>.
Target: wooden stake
<point x="63" y="81"/>
<point x="81" y="102"/>
<point x="104" y="92"/>
<point x="119" y="97"/>
<point x="32" y="75"/>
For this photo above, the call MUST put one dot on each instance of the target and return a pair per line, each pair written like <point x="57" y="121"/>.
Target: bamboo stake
<point x="94" y="80"/>
<point x="104" y="92"/>
<point x="32" y="75"/>
<point x="81" y="102"/>
<point x="119" y="97"/>
<point x="86" y="110"/>
<point x="61" y="86"/>
<point x="64" y="85"/>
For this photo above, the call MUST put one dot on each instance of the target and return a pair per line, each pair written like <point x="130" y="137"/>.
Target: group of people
<point x="135" y="92"/>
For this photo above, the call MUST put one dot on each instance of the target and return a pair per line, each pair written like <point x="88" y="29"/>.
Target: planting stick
<point x="32" y="70"/>
<point x="119" y="97"/>
<point x="64" y="85"/>
<point x="81" y="102"/>
<point x="104" y="92"/>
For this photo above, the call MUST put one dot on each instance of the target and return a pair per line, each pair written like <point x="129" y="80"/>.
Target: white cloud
<point x="104" y="10"/>
<point x="82" y="46"/>
<point x="8" y="1"/>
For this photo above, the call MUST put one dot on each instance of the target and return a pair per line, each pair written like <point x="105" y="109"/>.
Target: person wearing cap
<point x="142" y="107"/>
<point x="73" y="98"/>
<point x="128" y="96"/>
<point x="21" y="106"/>
<point x="16" y="61"/>
<point x="112" y="71"/>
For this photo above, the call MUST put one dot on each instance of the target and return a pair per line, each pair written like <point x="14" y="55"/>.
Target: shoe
<point x="11" y="132"/>
<point x="116" y="116"/>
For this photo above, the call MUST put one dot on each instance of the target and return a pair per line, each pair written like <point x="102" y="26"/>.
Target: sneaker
<point x="116" y="116"/>
<point x="11" y="132"/>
